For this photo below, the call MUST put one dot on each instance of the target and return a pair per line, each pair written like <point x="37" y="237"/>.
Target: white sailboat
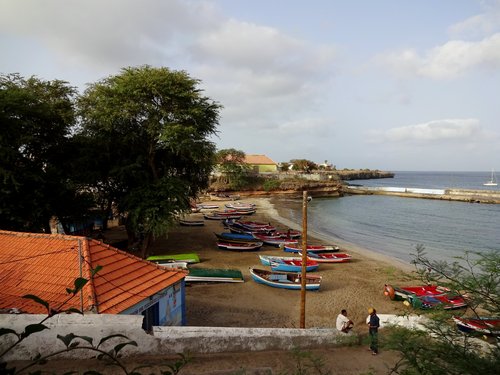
<point x="492" y="181"/>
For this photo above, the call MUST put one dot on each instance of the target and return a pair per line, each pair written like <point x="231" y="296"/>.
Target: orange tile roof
<point x="46" y="264"/>
<point x="258" y="159"/>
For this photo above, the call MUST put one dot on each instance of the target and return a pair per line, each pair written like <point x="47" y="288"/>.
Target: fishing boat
<point x="285" y="280"/>
<point x="426" y="296"/>
<point x="240" y="205"/>
<point x="207" y="206"/>
<point x="328" y="257"/>
<point x="293" y="265"/>
<point x="267" y="259"/>
<point x="236" y="237"/>
<point x="289" y="233"/>
<point x="248" y="246"/>
<point x="172" y="264"/>
<point x="482" y="326"/>
<point x="214" y="275"/>
<point x="191" y="223"/>
<point x="188" y="257"/>
<point x="275" y="241"/>
<point x="221" y="217"/>
<point x="311" y="248"/>
<point x="492" y="181"/>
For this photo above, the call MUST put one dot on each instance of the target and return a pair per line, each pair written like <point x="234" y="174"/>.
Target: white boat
<point x="492" y="181"/>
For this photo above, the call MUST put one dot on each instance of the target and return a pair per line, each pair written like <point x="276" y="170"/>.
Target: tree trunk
<point x="148" y="238"/>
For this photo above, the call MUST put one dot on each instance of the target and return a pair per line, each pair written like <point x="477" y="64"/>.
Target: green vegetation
<point x="442" y="349"/>
<point x="134" y="144"/>
<point x="271" y="184"/>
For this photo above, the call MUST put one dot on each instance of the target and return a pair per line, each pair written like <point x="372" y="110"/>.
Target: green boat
<point x="188" y="257"/>
<point x="215" y="275"/>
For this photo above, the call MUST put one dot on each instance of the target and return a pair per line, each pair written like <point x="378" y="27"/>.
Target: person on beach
<point x="373" y="322"/>
<point x="344" y="324"/>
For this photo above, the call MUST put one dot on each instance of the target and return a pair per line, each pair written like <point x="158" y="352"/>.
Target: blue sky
<point x="387" y="84"/>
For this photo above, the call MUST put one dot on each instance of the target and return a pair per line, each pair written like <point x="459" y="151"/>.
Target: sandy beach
<point x="355" y="286"/>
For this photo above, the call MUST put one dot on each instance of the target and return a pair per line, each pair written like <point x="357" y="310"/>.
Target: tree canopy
<point x="36" y="117"/>
<point x="151" y="128"/>
<point x="231" y="164"/>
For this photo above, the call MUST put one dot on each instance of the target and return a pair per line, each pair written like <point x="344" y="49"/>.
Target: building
<point x="47" y="265"/>
<point x="261" y="163"/>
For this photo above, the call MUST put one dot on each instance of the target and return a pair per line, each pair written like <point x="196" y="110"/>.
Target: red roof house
<point x="261" y="163"/>
<point x="45" y="265"/>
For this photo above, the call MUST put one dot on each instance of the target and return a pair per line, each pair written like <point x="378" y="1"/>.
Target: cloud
<point x="479" y="25"/>
<point x="107" y="34"/>
<point x="447" y="61"/>
<point x="458" y="130"/>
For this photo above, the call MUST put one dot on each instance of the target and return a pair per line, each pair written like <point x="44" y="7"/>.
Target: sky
<point x="388" y="84"/>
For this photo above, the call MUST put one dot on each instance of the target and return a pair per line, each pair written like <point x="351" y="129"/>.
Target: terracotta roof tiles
<point x="45" y="265"/>
<point x="258" y="159"/>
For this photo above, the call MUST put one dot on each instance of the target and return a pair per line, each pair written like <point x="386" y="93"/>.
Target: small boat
<point x="241" y="206"/>
<point x="172" y="264"/>
<point x="242" y="246"/>
<point x="188" y="257"/>
<point x="289" y="234"/>
<point x="492" y="181"/>
<point x="426" y="296"/>
<point x="328" y="257"/>
<point x="267" y="259"/>
<point x="274" y="240"/>
<point x="482" y="326"/>
<point x="214" y="275"/>
<point x="285" y="280"/>
<point x="191" y="223"/>
<point x="221" y="217"/>
<point x="236" y="237"/>
<point x="207" y="206"/>
<point x="293" y="265"/>
<point x="311" y="248"/>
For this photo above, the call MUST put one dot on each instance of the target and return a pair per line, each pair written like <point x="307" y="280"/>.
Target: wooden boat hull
<point x="295" y="266"/>
<point x="248" y="246"/>
<point x="221" y="217"/>
<point x="188" y="257"/>
<point x="267" y="259"/>
<point x="311" y="248"/>
<point x="329" y="257"/>
<point x="426" y="296"/>
<point x="214" y="275"/>
<point x="192" y="223"/>
<point x="284" y="280"/>
<point x="481" y="326"/>
<point x="236" y="237"/>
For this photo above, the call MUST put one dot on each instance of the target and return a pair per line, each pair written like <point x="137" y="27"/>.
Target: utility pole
<point x="304" y="262"/>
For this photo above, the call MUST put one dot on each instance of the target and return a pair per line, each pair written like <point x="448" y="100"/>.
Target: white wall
<point x="166" y="340"/>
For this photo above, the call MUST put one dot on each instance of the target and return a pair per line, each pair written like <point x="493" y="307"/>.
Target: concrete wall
<point x="166" y="340"/>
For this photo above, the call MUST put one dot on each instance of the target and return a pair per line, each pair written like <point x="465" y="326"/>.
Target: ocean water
<point x="394" y="226"/>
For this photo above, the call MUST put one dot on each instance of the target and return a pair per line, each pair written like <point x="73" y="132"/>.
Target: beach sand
<point x="355" y="286"/>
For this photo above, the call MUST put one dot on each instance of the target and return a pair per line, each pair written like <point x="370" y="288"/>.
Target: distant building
<point x="261" y="163"/>
<point x="45" y="265"/>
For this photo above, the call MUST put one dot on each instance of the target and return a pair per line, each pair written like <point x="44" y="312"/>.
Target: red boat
<point x="328" y="257"/>
<point x="426" y="296"/>
<point x="483" y="326"/>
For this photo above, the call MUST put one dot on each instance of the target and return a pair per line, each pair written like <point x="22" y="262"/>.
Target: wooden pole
<point x="304" y="262"/>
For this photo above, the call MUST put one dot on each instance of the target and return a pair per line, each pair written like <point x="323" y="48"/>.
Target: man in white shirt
<point x="344" y="324"/>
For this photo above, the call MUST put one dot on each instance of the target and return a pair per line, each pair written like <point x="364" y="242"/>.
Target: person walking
<point x="373" y="322"/>
<point x="344" y="324"/>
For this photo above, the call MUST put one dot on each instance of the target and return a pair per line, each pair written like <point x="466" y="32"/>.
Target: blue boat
<point x="293" y="266"/>
<point x="287" y="264"/>
<point x="285" y="280"/>
<point x="236" y="237"/>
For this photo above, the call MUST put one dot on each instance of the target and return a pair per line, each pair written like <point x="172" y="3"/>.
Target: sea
<point x="394" y="226"/>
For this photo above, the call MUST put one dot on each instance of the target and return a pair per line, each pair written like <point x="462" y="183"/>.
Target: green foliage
<point x="151" y="126"/>
<point x="303" y="165"/>
<point x="441" y="348"/>
<point x="270" y="185"/>
<point x="36" y="153"/>
<point x="234" y="171"/>
<point x="307" y="363"/>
